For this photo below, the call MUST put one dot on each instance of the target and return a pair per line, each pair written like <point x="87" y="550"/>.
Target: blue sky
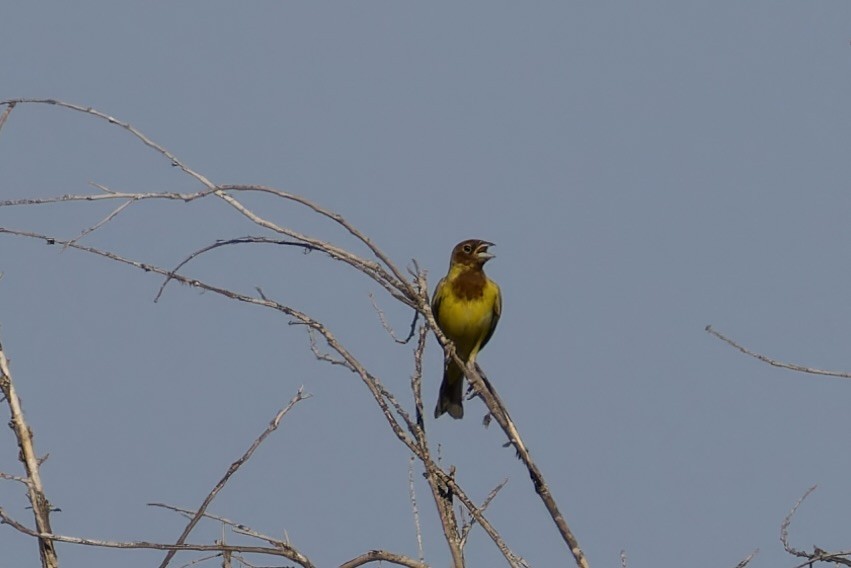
<point x="645" y="169"/>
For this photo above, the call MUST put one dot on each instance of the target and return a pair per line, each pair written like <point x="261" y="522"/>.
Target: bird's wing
<point x="439" y="292"/>
<point x="497" y="311"/>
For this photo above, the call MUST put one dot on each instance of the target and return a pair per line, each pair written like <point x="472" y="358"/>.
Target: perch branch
<point x="412" y="293"/>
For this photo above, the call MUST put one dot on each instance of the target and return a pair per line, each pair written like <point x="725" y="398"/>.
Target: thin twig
<point x="6" y="113"/>
<point x="11" y="477"/>
<point x="239" y="528"/>
<point x="224" y="243"/>
<point x="455" y="489"/>
<point x="747" y="559"/>
<point x="774" y="362"/>
<point x="321" y="355"/>
<point x="103" y="222"/>
<point x="413" y="496"/>
<point x="401" y="281"/>
<point x="145" y="545"/>
<point x="387" y="326"/>
<point x="107" y="196"/>
<point x="394" y="282"/>
<point x="824" y="556"/>
<point x="397" y="281"/>
<point x="784" y="527"/>
<point x="383" y="556"/>
<point x="483" y="507"/>
<point x="132" y="130"/>
<point x="273" y="425"/>
<point x="417" y="379"/>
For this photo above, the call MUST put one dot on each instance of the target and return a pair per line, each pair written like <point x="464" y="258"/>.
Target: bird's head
<point x="472" y="252"/>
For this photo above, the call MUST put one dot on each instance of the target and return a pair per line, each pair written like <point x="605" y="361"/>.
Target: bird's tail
<point x="451" y="393"/>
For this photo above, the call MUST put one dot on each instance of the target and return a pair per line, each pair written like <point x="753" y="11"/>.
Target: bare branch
<point x="417" y="377"/>
<point x="747" y="559"/>
<point x="396" y="284"/>
<point x="382" y="556"/>
<point x="239" y="528"/>
<point x="399" y="289"/>
<point x="784" y="527"/>
<point x="454" y="489"/>
<point x="380" y="394"/>
<point x="273" y="425"/>
<point x="109" y="195"/>
<point x="774" y="362"/>
<point x="144" y="139"/>
<point x="217" y="244"/>
<point x="411" y="292"/>
<point x="35" y="490"/>
<point x="413" y="496"/>
<point x="387" y="326"/>
<point x="818" y="554"/>
<point x="6" y="113"/>
<point x="321" y="355"/>
<point x="486" y="391"/>
<point x="304" y="318"/>
<point x="11" y="477"/>
<point x="104" y="221"/>
<point x="493" y="493"/>
<point x="145" y="545"/>
<point x="337" y="218"/>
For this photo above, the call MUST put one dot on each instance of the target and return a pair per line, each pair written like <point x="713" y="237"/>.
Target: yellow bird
<point x="466" y="305"/>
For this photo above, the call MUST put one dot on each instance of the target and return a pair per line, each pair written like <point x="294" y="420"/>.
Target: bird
<point x="466" y="305"/>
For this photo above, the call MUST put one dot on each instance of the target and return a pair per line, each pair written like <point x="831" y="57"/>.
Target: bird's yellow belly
<point x="465" y="323"/>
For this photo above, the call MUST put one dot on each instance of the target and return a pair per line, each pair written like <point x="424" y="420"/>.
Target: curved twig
<point x="774" y="362"/>
<point x="383" y="556"/>
<point x="217" y="244"/>
<point x="337" y="218"/>
<point x="787" y="521"/>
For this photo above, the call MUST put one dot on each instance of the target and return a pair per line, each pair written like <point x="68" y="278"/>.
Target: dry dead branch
<point x="377" y="266"/>
<point x="35" y="490"/>
<point x="775" y="362"/>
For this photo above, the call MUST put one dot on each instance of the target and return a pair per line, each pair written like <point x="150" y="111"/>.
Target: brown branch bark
<point x="27" y="456"/>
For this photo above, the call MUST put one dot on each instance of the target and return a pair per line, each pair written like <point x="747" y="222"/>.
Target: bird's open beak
<point x="483" y="254"/>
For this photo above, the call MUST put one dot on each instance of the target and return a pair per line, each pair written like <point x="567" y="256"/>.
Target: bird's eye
<point x="468" y="249"/>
